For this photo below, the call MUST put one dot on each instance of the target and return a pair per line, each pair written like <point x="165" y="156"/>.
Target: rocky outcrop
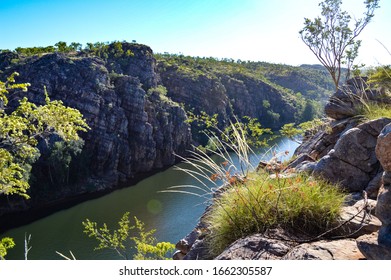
<point x="350" y="99"/>
<point x="132" y="131"/>
<point x="352" y="162"/>
<point x="378" y="246"/>
<point x="344" y="249"/>
<point x="345" y="151"/>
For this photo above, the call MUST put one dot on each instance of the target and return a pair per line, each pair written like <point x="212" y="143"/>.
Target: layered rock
<point x="345" y="151"/>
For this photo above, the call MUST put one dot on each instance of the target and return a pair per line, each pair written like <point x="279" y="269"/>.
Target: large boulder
<point x="353" y="163"/>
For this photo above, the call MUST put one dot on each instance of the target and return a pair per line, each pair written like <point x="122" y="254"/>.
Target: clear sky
<point x="259" y="30"/>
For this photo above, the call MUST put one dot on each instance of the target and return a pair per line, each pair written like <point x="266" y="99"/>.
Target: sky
<point x="257" y="30"/>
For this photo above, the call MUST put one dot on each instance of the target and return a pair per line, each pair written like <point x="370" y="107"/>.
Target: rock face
<point x="256" y="247"/>
<point x="132" y="131"/>
<point x="346" y="155"/>
<point x="348" y="100"/>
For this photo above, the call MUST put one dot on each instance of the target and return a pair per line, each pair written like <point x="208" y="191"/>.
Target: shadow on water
<point x="173" y="215"/>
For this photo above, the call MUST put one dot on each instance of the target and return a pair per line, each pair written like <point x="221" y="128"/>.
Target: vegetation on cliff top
<point x="308" y="81"/>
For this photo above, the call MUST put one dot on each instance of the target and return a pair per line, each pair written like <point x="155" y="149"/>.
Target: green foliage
<point x="265" y="104"/>
<point x="375" y="110"/>
<point x="331" y="37"/>
<point x="10" y="84"/>
<point x="145" y="244"/>
<point x="310" y="111"/>
<point x="291" y="131"/>
<point x="381" y="77"/>
<point x="309" y="128"/>
<point x="251" y="130"/>
<point x="60" y="158"/>
<point x="19" y="131"/>
<point x="301" y="203"/>
<point x="5" y="244"/>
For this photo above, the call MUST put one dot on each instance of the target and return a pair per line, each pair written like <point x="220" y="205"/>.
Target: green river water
<point x="173" y="215"/>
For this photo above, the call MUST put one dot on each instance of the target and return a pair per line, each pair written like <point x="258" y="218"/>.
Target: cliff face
<point x="132" y="131"/>
<point x="227" y="89"/>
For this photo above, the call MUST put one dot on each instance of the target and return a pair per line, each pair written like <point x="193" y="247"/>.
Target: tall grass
<point x="300" y="204"/>
<point x="375" y="110"/>
<point x="217" y="167"/>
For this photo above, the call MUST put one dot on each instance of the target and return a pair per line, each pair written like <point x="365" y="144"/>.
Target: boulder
<point x="198" y="251"/>
<point x="358" y="220"/>
<point x="299" y="160"/>
<point x="340" y="172"/>
<point x="383" y="148"/>
<point x="374" y="185"/>
<point x="348" y="100"/>
<point x="353" y="162"/>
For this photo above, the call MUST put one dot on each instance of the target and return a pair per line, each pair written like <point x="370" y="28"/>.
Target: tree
<point x="333" y="39"/>
<point x="75" y="46"/>
<point x="62" y="46"/>
<point x="20" y="130"/>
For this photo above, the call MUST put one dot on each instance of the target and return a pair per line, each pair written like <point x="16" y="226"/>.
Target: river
<point x="173" y="215"/>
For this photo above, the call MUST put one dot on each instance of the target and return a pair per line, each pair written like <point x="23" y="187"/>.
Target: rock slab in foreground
<point x="344" y="249"/>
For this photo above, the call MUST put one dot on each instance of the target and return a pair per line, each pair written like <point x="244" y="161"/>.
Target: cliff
<point x="238" y="88"/>
<point x="134" y="130"/>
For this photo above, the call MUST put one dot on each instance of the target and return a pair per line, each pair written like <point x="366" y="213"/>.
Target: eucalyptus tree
<point x="332" y="37"/>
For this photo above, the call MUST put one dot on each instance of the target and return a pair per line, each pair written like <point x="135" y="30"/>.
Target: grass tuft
<point x="300" y="204"/>
<point x="375" y="110"/>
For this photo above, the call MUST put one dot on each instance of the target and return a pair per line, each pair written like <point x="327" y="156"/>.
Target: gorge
<point x="136" y="104"/>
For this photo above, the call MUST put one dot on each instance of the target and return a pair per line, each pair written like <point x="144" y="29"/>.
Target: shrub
<point x="298" y="204"/>
<point x="145" y="244"/>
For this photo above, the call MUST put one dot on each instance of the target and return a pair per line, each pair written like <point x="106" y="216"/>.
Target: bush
<point x="299" y="204"/>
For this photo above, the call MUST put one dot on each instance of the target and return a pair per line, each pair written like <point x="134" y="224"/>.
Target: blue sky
<point x="259" y="30"/>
